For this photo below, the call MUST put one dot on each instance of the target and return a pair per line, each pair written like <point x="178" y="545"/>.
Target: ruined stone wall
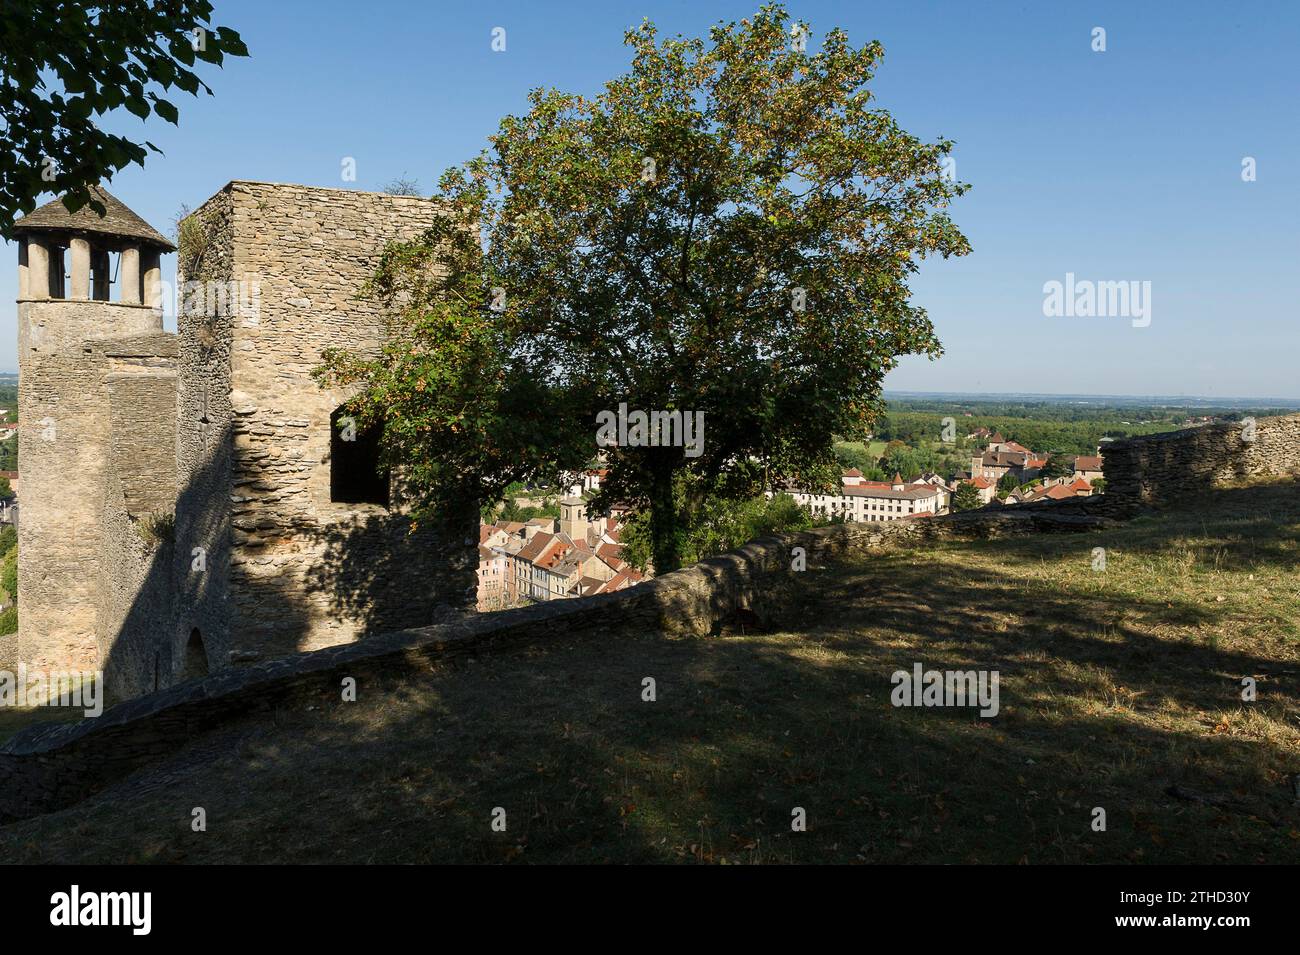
<point x="136" y="596"/>
<point x="303" y="572"/>
<point x="1159" y="469"/>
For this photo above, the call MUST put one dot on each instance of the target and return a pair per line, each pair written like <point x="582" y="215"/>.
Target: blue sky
<point x="1123" y="165"/>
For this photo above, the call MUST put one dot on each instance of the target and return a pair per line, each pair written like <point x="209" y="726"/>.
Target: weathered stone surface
<point x="222" y="430"/>
<point x="1161" y="469"/>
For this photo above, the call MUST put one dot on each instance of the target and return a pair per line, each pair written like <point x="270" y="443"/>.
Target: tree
<point x="401" y="186"/>
<point x="966" y="497"/>
<point x="1057" y="466"/>
<point x="63" y="65"/>
<point x="9" y="574"/>
<point x="716" y="525"/>
<point x="908" y="462"/>
<point x="727" y="230"/>
<point x="853" y="454"/>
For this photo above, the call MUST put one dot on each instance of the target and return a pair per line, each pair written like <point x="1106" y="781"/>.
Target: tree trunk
<point x="665" y="543"/>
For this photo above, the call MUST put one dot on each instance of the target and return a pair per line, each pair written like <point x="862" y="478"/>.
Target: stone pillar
<point x="130" y="275"/>
<point x="151" y="262"/>
<point x="24" y="280"/>
<point x="38" y="268"/>
<point x="80" y="270"/>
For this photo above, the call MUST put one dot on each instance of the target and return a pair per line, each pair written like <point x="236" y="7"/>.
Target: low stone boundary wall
<point x="48" y="767"/>
<point x="1160" y="469"/>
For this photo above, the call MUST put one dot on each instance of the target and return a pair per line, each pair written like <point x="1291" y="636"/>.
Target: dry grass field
<point x="1120" y="688"/>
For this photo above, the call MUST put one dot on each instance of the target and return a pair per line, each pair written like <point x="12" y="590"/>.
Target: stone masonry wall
<point x="136" y="594"/>
<point x="1159" y="469"/>
<point x="303" y="572"/>
<point x="203" y="448"/>
<point x="63" y="444"/>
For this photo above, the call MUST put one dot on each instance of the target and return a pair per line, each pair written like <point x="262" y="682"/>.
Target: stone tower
<point x="96" y="371"/>
<point x="197" y="500"/>
<point x="303" y="542"/>
<point x="573" y="518"/>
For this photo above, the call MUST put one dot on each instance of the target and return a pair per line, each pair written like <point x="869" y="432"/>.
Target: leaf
<point x="167" y="111"/>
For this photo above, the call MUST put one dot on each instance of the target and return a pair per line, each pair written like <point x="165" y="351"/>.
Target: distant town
<point x="928" y="459"/>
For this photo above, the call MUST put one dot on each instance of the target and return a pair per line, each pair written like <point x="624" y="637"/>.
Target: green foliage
<point x="728" y="228"/>
<point x="855" y="454"/>
<point x="965" y="498"/>
<point x="1068" y="427"/>
<point x="713" y="525"/>
<point x="9" y="454"/>
<point x="510" y="511"/>
<point x="9" y="579"/>
<point x="908" y="462"/>
<point x="1008" y="482"/>
<point x="9" y="574"/>
<point x="66" y="64"/>
<point x="1057" y="466"/>
<point x="191" y="242"/>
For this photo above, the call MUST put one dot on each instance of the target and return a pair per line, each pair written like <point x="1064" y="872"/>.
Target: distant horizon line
<point x="1064" y="396"/>
<point x="1058" y="396"/>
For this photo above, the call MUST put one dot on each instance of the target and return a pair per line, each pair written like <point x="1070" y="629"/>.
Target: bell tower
<point x="84" y="281"/>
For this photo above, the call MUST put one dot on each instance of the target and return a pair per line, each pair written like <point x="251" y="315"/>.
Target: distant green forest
<point x="909" y="438"/>
<point x="1045" y="426"/>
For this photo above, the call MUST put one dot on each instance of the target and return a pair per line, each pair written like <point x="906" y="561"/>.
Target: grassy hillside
<point x="1119" y="689"/>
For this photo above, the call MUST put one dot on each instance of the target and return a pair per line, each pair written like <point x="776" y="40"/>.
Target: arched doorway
<point x="196" y="658"/>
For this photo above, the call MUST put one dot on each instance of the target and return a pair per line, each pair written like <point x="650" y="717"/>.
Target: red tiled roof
<point x="611" y="554"/>
<point x="617" y="582"/>
<point x="1087" y="462"/>
<point x="535" y="547"/>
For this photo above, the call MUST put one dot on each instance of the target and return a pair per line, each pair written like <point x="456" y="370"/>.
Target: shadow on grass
<point x="1109" y="698"/>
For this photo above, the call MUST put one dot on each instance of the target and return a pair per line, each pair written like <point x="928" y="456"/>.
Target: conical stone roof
<point x="117" y="221"/>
